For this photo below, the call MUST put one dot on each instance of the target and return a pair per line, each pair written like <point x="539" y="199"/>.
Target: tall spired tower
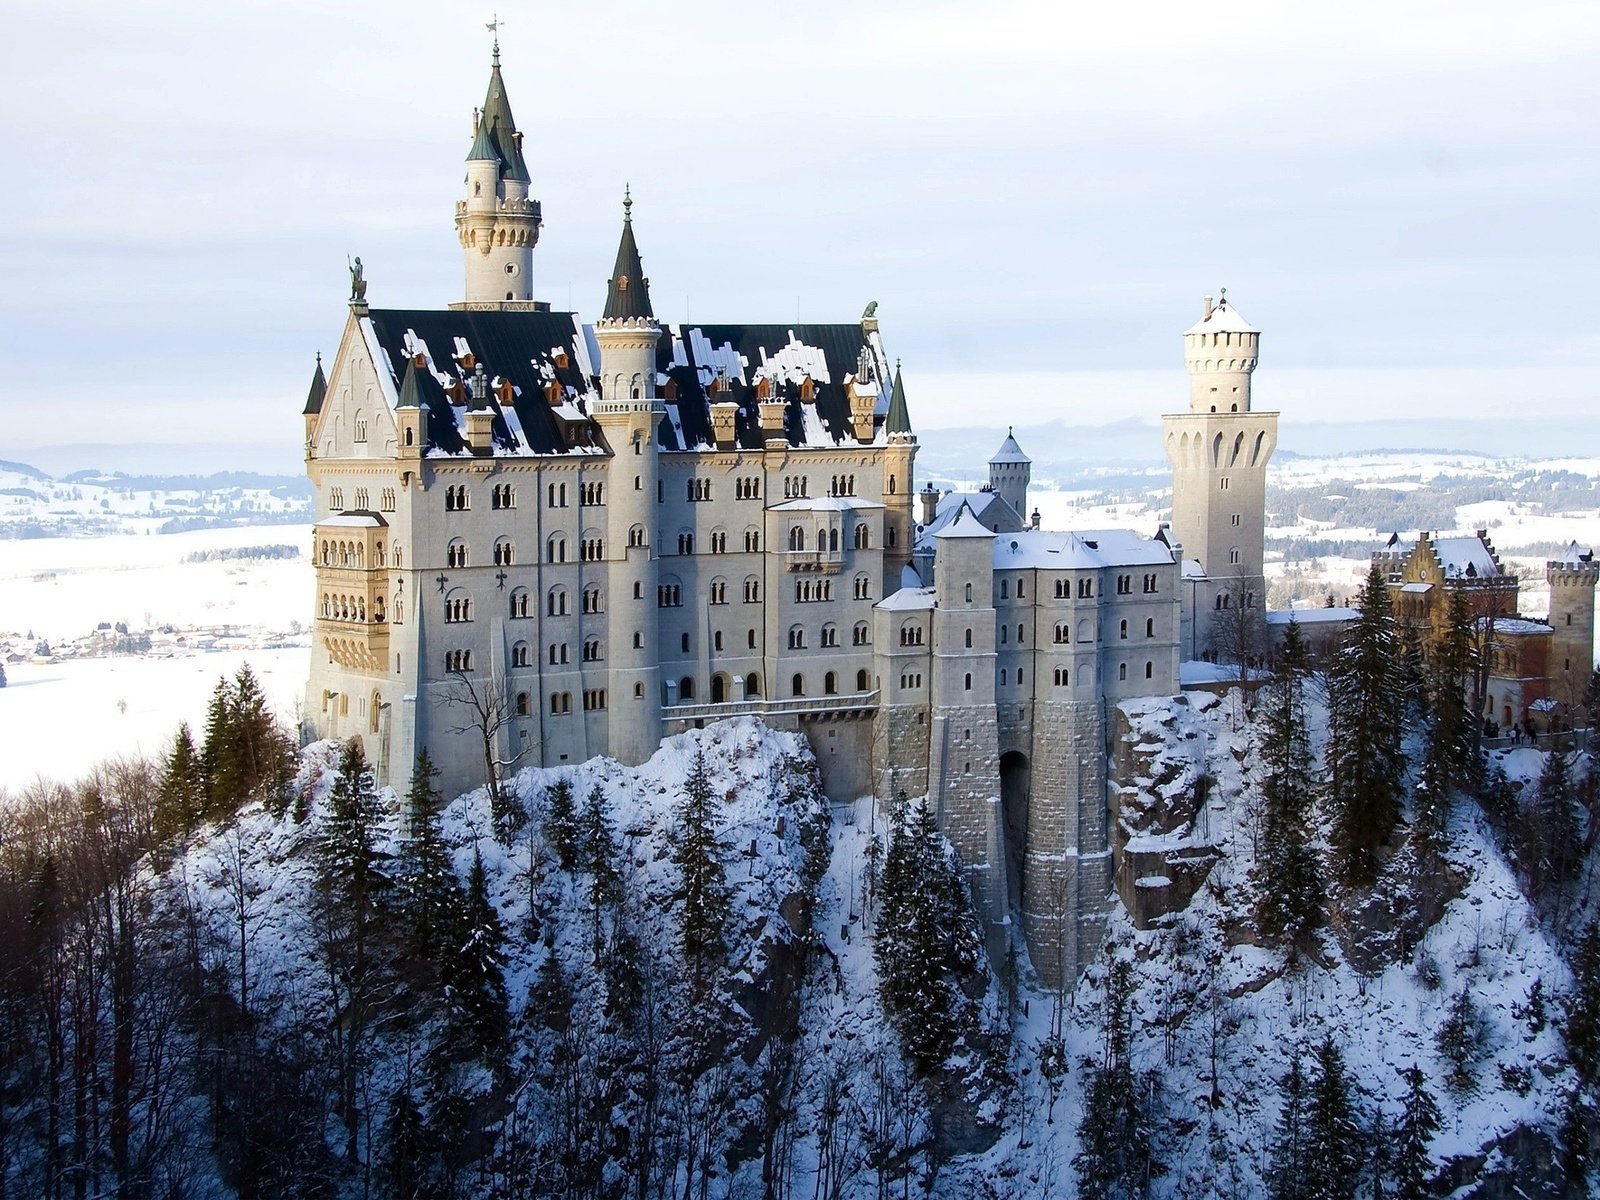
<point x="498" y="222"/>
<point x="1219" y="451"/>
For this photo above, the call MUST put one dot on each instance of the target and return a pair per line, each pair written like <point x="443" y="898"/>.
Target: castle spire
<point x="319" y="389"/>
<point x="898" y="419"/>
<point x="628" y="291"/>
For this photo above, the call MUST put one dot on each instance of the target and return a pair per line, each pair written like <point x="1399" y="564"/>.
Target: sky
<point x="1401" y="195"/>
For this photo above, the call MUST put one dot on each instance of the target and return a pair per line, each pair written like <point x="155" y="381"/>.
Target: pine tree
<point x="1458" y="1040"/>
<point x="1580" y="1027"/>
<point x="1116" y="1130"/>
<point x="1288" y="882"/>
<point x="1419" y="1121"/>
<point x="403" y="1161"/>
<point x="702" y="887"/>
<point x="476" y="976"/>
<point x="429" y="894"/>
<point x="1289" y="1176"/>
<point x="561" y="824"/>
<point x="219" y="758"/>
<point x="1577" y="1160"/>
<point x="1367" y="720"/>
<point x="1557" y="838"/>
<point x="597" y="857"/>
<point x="1454" y="724"/>
<point x="182" y="797"/>
<point x="1333" y="1136"/>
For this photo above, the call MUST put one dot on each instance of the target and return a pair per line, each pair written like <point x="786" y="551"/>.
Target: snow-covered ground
<point x="57" y="720"/>
<point x="63" y="587"/>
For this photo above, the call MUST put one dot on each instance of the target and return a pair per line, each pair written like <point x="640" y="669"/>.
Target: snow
<point x="909" y="599"/>
<point x="966" y="525"/>
<point x="1456" y="554"/>
<point x="1089" y="549"/>
<point x="59" y="719"/>
<point x="1312" y="616"/>
<point x="1223" y="318"/>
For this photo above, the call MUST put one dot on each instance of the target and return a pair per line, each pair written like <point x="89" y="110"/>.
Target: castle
<point x="539" y="540"/>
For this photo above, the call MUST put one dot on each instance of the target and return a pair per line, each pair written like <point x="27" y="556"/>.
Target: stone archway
<point x="1016" y="783"/>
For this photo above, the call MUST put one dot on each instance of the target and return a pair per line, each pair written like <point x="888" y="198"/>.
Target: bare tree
<point x="481" y="705"/>
<point x="1239" y="626"/>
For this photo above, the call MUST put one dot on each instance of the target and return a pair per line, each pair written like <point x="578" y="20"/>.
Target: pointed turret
<point x="899" y="417"/>
<point x="410" y="395"/>
<point x="1009" y="472"/>
<point x="498" y="222"/>
<point x="628" y="291"/>
<point x="319" y="389"/>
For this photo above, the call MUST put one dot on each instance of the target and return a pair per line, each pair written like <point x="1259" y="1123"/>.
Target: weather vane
<point x="494" y="27"/>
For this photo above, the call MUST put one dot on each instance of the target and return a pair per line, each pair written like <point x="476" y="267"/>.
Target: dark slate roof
<point x="518" y="346"/>
<point x="627" y="291"/>
<point x="899" y="418"/>
<point x="410" y="393"/>
<point x="689" y="356"/>
<point x="502" y="128"/>
<point x="319" y="389"/>
<point x="483" y="145"/>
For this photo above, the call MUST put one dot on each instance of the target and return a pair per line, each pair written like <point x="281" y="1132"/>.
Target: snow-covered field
<point x="57" y="720"/>
<point x="63" y="587"/>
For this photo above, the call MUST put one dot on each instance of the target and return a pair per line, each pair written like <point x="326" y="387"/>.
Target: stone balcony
<point x="829" y="562"/>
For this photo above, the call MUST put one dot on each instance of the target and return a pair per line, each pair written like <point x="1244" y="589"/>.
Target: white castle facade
<point x="595" y="535"/>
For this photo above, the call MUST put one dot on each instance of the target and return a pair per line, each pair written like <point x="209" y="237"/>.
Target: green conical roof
<point x="899" y="418"/>
<point x="483" y="144"/>
<point x="319" y="389"/>
<point x="410" y="395"/>
<point x="628" y="292"/>
<point x="502" y="127"/>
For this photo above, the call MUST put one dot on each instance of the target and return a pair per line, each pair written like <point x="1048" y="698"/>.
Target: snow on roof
<point x="966" y="525"/>
<point x="1223" y="318"/>
<point x="1085" y="549"/>
<point x="1515" y="626"/>
<point x="1194" y="672"/>
<point x="909" y="577"/>
<point x="909" y="599"/>
<point x="1416" y="588"/>
<point x="1575" y="555"/>
<point x="352" y="521"/>
<point x="1010" y="452"/>
<point x="1456" y="554"/>
<point x="825" y="504"/>
<point x="1312" y="616"/>
<point x="1192" y="569"/>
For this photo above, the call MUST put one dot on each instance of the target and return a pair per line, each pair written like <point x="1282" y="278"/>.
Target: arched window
<point x="797" y="637"/>
<point x="797" y="685"/>
<point x="1122" y="630"/>
<point x="863" y="535"/>
<point x="504" y="555"/>
<point x="969" y="593"/>
<point x="752" y="540"/>
<point x="969" y="639"/>
<point x="593" y="599"/>
<point x="524" y="707"/>
<point x="1122" y="671"/>
<point x="860" y="635"/>
<point x="520" y="655"/>
<point x="636" y="536"/>
<point x="830" y="684"/>
<point x="1150" y="627"/>
<point x="686" y="688"/>
<point x="797" y="538"/>
<point x="752" y="590"/>
<point x="555" y="603"/>
<point x="455" y="554"/>
<point x="830" y="635"/>
<point x="968" y="682"/>
<point x="556" y="549"/>
<point x="1149" y="670"/>
<point x="862" y="681"/>
<point x="519" y="603"/>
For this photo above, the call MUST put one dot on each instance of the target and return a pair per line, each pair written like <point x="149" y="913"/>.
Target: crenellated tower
<point x="1219" y="452"/>
<point x="1572" y="584"/>
<point x="628" y="413"/>
<point x="498" y="221"/>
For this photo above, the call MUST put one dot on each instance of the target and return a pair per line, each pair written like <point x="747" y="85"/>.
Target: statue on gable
<point x="358" y="284"/>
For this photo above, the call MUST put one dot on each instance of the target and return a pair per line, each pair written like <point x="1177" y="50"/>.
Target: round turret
<point x="1220" y="352"/>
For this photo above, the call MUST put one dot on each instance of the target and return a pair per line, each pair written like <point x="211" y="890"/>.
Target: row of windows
<point x="747" y="487"/>
<point x="352" y="554"/>
<point x="1225" y="601"/>
<point x="350" y="608"/>
<point x="363" y="499"/>
<point x="456" y="498"/>
<point x="807" y="591"/>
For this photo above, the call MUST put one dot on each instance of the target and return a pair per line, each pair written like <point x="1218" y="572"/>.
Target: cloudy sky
<point x="1403" y="195"/>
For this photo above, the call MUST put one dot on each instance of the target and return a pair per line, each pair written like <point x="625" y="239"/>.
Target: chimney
<point x="723" y="413"/>
<point x="772" y="422"/>
<point x="930" y="504"/>
<point x="1036" y="518"/>
<point x="1207" y="315"/>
